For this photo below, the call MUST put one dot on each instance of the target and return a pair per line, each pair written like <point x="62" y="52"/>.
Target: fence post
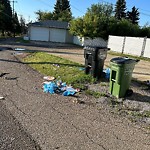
<point x="143" y="46"/>
<point x="124" y="41"/>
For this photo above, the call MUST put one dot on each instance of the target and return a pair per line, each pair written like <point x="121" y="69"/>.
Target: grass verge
<point x="60" y="68"/>
<point x="21" y="40"/>
<point x="95" y="94"/>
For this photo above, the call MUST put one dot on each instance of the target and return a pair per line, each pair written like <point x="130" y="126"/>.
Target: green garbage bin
<point x="121" y="75"/>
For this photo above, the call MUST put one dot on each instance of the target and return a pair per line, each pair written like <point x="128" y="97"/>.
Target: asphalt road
<point x="31" y="119"/>
<point x="12" y="135"/>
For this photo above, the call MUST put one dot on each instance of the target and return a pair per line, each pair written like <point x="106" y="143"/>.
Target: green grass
<point x="95" y="94"/>
<point x="21" y="40"/>
<point x="60" y="68"/>
<point x="126" y="55"/>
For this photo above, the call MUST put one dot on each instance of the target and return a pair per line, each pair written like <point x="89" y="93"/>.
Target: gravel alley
<point x="50" y="122"/>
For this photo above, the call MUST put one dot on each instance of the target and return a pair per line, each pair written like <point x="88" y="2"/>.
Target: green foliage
<point x="6" y="16"/>
<point x="120" y="9"/>
<point x="123" y="27"/>
<point x="95" y="94"/>
<point x="61" y="5"/>
<point x="23" y="25"/>
<point x="62" y="10"/>
<point x="16" y="23"/>
<point x="101" y="10"/>
<point x="76" y="27"/>
<point x="63" y="16"/>
<point x="41" y="15"/>
<point x="94" y="23"/>
<point x="145" y="31"/>
<point x="133" y="15"/>
<point x="8" y="21"/>
<point x="1" y="17"/>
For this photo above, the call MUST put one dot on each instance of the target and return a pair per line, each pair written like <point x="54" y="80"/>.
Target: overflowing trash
<point x="57" y="86"/>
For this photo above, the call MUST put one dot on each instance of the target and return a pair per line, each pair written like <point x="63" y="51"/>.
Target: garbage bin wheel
<point x="129" y="92"/>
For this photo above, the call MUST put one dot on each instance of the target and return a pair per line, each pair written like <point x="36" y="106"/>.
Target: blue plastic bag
<point x="107" y="73"/>
<point x="50" y="87"/>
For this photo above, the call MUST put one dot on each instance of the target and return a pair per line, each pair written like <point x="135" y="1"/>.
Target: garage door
<point x="57" y="35"/>
<point x="39" y="34"/>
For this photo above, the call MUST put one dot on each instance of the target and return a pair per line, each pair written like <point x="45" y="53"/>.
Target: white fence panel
<point x="147" y="48"/>
<point x="133" y="45"/>
<point x="77" y="40"/>
<point x="115" y="43"/>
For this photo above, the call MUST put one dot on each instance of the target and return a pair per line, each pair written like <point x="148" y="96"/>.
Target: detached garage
<point x="50" y="30"/>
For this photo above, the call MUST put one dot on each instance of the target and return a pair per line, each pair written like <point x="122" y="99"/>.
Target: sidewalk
<point x="56" y="122"/>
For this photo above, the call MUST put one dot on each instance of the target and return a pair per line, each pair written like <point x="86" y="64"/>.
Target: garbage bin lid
<point x="123" y="60"/>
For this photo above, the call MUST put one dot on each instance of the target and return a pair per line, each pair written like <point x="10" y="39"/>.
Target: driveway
<point x="55" y="122"/>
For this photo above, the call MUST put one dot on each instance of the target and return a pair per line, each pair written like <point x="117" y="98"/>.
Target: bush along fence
<point x="136" y="46"/>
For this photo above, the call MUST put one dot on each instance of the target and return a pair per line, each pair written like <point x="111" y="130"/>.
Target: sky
<point x="27" y="8"/>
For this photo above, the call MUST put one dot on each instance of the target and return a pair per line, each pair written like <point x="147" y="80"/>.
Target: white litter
<point x="1" y="98"/>
<point x="19" y="49"/>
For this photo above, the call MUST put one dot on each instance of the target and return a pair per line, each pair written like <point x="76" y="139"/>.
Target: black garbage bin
<point x="94" y="60"/>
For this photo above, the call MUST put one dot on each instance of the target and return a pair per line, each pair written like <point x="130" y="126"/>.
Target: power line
<point x="47" y="4"/>
<point x="77" y="9"/>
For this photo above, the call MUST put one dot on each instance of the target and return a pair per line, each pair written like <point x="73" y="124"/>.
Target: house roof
<point x="51" y="24"/>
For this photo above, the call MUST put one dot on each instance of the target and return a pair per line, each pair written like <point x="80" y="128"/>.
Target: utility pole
<point x="13" y="1"/>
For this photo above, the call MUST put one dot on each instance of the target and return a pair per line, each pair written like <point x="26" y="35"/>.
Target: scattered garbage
<point x="70" y="91"/>
<point x="81" y="69"/>
<point x="20" y="49"/>
<point x="57" y="65"/>
<point x="58" y="87"/>
<point x="1" y="98"/>
<point x="77" y="101"/>
<point x="49" y="78"/>
<point x="107" y="73"/>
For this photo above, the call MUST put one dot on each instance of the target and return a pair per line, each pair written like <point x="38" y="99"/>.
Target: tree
<point x="76" y="27"/>
<point x="101" y="9"/>
<point x="94" y="23"/>
<point x="41" y="15"/>
<point x="23" y="25"/>
<point x="2" y="25"/>
<point x="17" y="27"/>
<point x="133" y="15"/>
<point x="6" y="16"/>
<point x="120" y="9"/>
<point x="62" y="10"/>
